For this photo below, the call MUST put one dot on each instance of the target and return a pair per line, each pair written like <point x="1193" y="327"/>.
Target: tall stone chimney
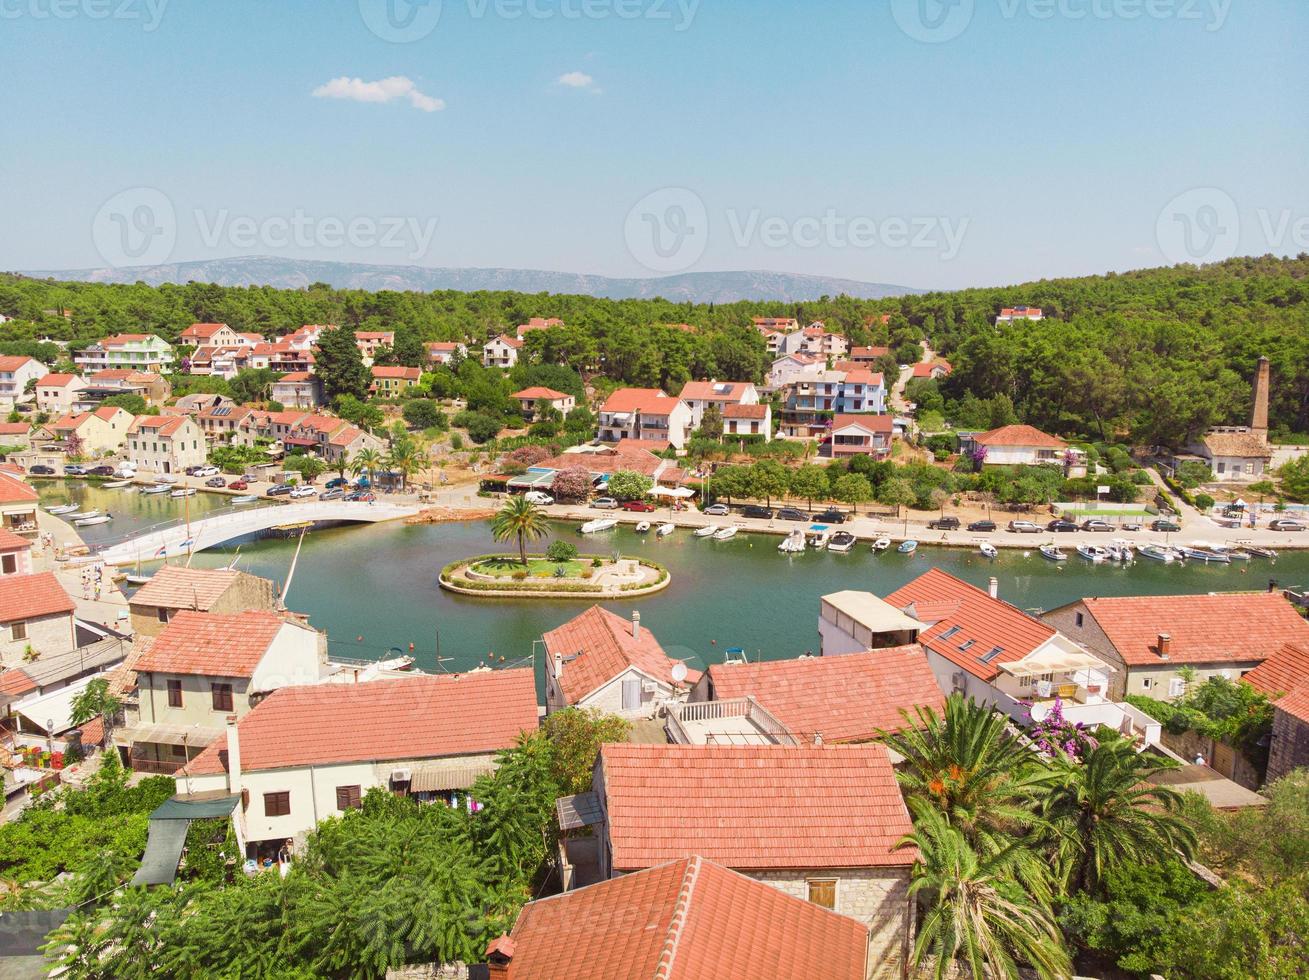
<point x="636" y="625"/>
<point x="1259" y="414"/>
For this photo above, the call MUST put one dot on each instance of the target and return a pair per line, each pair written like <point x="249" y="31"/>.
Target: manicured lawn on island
<point x="505" y="567"/>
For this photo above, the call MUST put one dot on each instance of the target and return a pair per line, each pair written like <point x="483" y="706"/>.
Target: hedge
<point x="547" y="586"/>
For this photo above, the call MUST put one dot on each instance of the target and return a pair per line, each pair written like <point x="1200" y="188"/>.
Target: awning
<point x="679" y="492"/>
<point x="1053" y="662"/>
<point x="197" y="735"/>
<point x="199" y="806"/>
<point x="169" y="824"/>
<point x="53" y="712"/>
<point x="575" y="812"/>
<point x="434" y="777"/>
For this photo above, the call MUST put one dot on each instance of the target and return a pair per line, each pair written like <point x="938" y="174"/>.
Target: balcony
<point x="735" y="721"/>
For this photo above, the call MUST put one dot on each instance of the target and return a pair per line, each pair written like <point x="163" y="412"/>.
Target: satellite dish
<point x="679" y="673"/>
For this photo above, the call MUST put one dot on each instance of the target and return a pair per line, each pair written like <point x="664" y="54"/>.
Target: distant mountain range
<point x="695" y="287"/>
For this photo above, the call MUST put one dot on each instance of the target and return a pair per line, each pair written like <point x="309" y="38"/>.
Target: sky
<point x="916" y="142"/>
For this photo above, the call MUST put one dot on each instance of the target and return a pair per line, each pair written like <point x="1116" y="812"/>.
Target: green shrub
<point x="561" y="551"/>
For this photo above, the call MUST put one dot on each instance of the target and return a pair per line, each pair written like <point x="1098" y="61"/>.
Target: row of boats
<point x="1124" y="551"/>
<point x="91" y="518"/>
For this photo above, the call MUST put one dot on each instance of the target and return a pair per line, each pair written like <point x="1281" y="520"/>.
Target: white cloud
<point x="382" y="90"/>
<point x="577" y="79"/>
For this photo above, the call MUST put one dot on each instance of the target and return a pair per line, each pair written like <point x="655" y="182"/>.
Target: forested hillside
<point x="1157" y="355"/>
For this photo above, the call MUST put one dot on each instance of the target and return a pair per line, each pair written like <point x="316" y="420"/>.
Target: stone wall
<point x="1290" y="745"/>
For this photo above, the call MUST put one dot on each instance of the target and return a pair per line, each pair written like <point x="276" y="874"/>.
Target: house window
<point x="1079" y="619"/>
<point x="277" y="804"/>
<point x="174" y="694"/>
<point x="9" y="564"/>
<point x="18" y="631"/>
<point x="162" y="613"/>
<point x="1146" y="683"/>
<point x="222" y="697"/>
<point x="179" y="751"/>
<point x="822" y="891"/>
<point x="348" y="797"/>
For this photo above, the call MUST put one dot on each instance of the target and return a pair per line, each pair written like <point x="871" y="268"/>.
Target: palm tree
<point x="521" y="519"/>
<point x="1104" y="814"/>
<point x="366" y="461"/>
<point x="403" y="458"/>
<point x="966" y="765"/>
<point x="96" y="699"/>
<point x="977" y="917"/>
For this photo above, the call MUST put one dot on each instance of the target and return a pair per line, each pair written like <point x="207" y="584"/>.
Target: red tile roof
<point x="14" y="362"/>
<point x="203" y="330"/>
<point x="406" y="373"/>
<point x="443" y="345"/>
<point x="15" y="682"/>
<point x="539" y="392"/>
<point x="871" y="422"/>
<point x="31" y="596"/>
<point x="108" y="412"/>
<point x="979" y="621"/>
<point x="714" y="391"/>
<point x="346" y="436"/>
<point x="419" y="717"/>
<point x="686" y="920"/>
<point x="294" y="376"/>
<point x="869" y="353"/>
<point x="1281" y="673"/>
<point x="647" y="401"/>
<point x="1296" y="703"/>
<point x="597" y="646"/>
<point x="179" y="587"/>
<point x="754" y="807"/>
<point x="646" y="445"/>
<point x="120" y="339"/>
<point x="509" y="341"/>
<point x="735" y="411"/>
<point x="56" y="380"/>
<point x="212" y="644"/>
<point x="14" y="428"/>
<point x="382" y="335"/>
<point x="9" y="541"/>
<point x="1217" y="628"/>
<point x="1019" y="435"/>
<point x="863" y="376"/>
<point x="845" y="699"/>
<point x="163" y="425"/>
<point x="13" y="490"/>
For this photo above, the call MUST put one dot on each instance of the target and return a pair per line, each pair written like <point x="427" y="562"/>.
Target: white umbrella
<point x="679" y="492"/>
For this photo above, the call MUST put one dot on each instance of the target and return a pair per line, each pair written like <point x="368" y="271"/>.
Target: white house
<point x="211" y="335"/>
<point x="298" y="389"/>
<point x="1017" y="445"/>
<point x="600" y="660"/>
<point x="165" y="443"/>
<point x="530" y="399"/>
<point x="443" y="352"/>
<point x="790" y="367"/>
<point x="699" y="395"/>
<point x="1015" y="313"/>
<point x="15" y="373"/>
<point x="502" y="352"/>
<point x="128" y="351"/>
<point x="57" y="393"/>
<point x="647" y="414"/>
<point x="748" y="420"/>
<point x="310" y="752"/>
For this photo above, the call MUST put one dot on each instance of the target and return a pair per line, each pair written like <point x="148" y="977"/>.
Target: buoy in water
<point x="411" y="646"/>
<point x="359" y="639"/>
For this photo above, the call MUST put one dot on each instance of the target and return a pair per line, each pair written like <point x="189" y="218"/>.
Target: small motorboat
<point x="1093" y="552"/>
<point x="1257" y="552"/>
<point x="841" y="542"/>
<point x="881" y="544"/>
<point x="793" y="543"/>
<point x="156" y="488"/>
<point x="725" y="534"/>
<point x="167" y="479"/>
<point x="1120" y="549"/>
<point x="708" y="531"/>
<point x="643" y="527"/>
<point x="136" y="578"/>
<point x="1158" y="552"/>
<point x="82" y="514"/>
<point x="665" y="529"/>
<point x="1052" y="552"/>
<point x="907" y="547"/>
<point x="989" y="550"/>
<point x="62" y="509"/>
<point x="116" y="484"/>
<point x="1205" y="555"/>
<point x="1235" y="554"/>
<point x="93" y="521"/>
<point x="245" y="498"/>
<point x="599" y="524"/>
<point x="183" y="492"/>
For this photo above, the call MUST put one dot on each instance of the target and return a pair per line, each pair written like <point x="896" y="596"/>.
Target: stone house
<point x="175" y="588"/>
<point x="501" y="352"/>
<point x="102" y="432"/>
<point x="298" y="389"/>
<point x="15" y="373"/>
<point x="530" y="399"/>
<point x="36" y="615"/>
<point x="18" y="501"/>
<point x="166" y="443"/>
<point x="57" y="393"/>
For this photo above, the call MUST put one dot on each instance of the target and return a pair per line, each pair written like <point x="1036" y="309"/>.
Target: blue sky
<point x="816" y="137"/>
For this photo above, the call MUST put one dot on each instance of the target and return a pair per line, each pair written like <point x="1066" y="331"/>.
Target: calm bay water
<point x="373" y="588"/>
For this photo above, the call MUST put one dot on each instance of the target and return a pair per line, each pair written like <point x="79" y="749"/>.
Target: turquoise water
<point x="373" y="588"/>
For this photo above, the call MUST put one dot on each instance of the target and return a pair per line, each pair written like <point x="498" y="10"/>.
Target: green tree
<point x="358" y="412"/>
<point x="340" y="365"/>
<point x="1294" y="476"/>
<point x="575" y="736"/>
<point x="309" y="467"/>
<point x="769" y="479"/>
<point x="367" y="462"/>
<point x="561" y="551"/>
<point x="253" y="384"/>
<point x="93" y="700"/>
<point x="520" y="519"/>
<point x="423" y="413"/>
<point x="404" y="458"/>
<point x="896" y="492"/>
<point x="853" y="489"/>
<point x="128" y="401"/>
<point x="630" y="485"/>
<point x="810" y="481"/>
<point x="711" y="423"/>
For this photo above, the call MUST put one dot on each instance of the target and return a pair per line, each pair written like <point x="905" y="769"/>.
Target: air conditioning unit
<point x="649" y="687"/>
<point x="401" y="775"/>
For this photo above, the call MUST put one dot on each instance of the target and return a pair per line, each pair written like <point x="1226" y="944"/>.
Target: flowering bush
<point x="1055" y="733"/>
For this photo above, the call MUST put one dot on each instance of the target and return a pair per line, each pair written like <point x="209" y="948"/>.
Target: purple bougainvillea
<point x="1055" y="733"/>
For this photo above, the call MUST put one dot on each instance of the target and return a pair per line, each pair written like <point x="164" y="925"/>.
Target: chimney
<point x="1165" y="645"/>
<point x="1272" y="585"/>
<point x="636" y="625"/>
<point x="993" y="587"/>
<point x="500" y="958"/>
<point x="818" y="738"/>
<point x="1259" y="414"/>
<point x="233" y="757"/>
<point x="559" y="665"/>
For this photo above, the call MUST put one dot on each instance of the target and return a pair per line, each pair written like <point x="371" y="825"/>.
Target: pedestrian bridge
<point x="182" y="538"/>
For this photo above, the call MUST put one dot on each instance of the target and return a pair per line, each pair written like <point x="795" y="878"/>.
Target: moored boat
<point x="1093" y="552"/>
<point x="1205" y="555"/>
<point x="183" y="492"/>
<point x="793" y="543"/>
<point x="93" y="521"/>
<point x="841" y="542"/>
<point x="665" y="529"/>
<point x="708" y="531"/>
<point x="82" y="514"/>
<point x="642" y="527"/>
<point x="136" y="578"/>
<point x="1261" y="552"/>
<point x="245" y="498"/>
<point x="881" y="544"/>
<point x="156" y="488"/>
<point x="1157" y="553"/>
<point x="599" y="524"/>
<point x="1052" y="552"/>
<point x="62" y="508"/>
<point x="989" y="550"/>
<point x="116" y="484"/>
<point x="725" y="534"/>
<point x="907" y="547"/>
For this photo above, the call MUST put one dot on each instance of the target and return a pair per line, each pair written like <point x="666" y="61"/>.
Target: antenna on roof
<point x="679" y="672"/>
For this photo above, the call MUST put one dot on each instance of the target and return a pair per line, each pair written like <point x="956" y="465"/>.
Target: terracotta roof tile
<point x="30" y="596"/>
<point x="15" y="682"/>
<point x="212" y="644"/>
<point x="1281" y="673"/>
<point x="735" y="411"/>
<point x="405" y="373"/>
<point x="539" y="392"/>
<point x="419" y="717"/>
<point x="979" y="623"/>
<point x="294" y="377"/>
<point x="648" y="401"/>
<point x="1296" y="703"/>
<point x="715" y="391"/>
<point x="687" y="920"/>
<point x="178" y="587"/>
<point x="846" y="698"/>
<point x="9" y="541"/>
<point x="754" y="807"/>
<point x="1019" y="435"/>
<point x="14" y="490"/>
<point x="509" y="341"/>
<point x="14" y="362"/>
<point x="56" y="380"/>
<point x="873" y="423"/>
<point x="601" y="646"/>
<point x="1243" y="445"/>
<point x="161" y="425"/>
<point x="1217" y="628"/>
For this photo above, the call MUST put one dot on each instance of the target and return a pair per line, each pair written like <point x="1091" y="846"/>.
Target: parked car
<point x="303" y="490"/>
<point x="166" y="478"/>
<point x="791" y="514"/>
<point x="640" y="506"/>
<point x="215" y="481"/>
<point x="363" y="496"/>
<point x="1061" y="525"/>
<point x="340" y="481"/>
<point x="336" y="493"/>
<point x="1131" y="526"/>
<point x="532" y="496"/>
<point x="206" y="471"/>
<point x="982" y="526"/>
<point x="717" y="510"/>
<point x="1024" y="527"/>
<point x="41" y="470"/>
<point x="238" y="485"/>
<point x="1097" y="526"/>
<point x="1162" y="525"/>
<point x="74" y="470"/>
<point x="830" y="517"/>
<point x="754" y="510"/>
<point x="944" y="524"/>
<point x="100" y="471"/>
<point x="605" y="503"/>
<point x="278" y="490"/>
<point x="192" y="470"/>
<point x="1283" y="524"/>
<point x="125" y="471"/>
